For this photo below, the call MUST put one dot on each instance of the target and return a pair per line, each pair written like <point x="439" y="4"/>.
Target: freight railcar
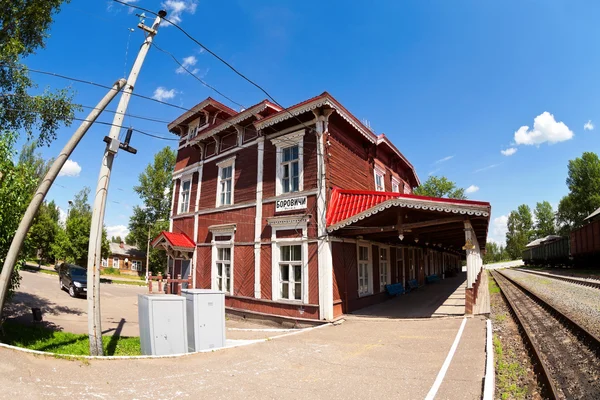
<point x="585" y="244"/>
<point x="552" y="250"/>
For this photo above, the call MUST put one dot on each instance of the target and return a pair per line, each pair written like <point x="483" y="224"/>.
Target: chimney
<point x="122" y="245"/>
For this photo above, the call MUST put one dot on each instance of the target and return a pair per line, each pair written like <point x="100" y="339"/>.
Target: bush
<point x="111" y="271"/>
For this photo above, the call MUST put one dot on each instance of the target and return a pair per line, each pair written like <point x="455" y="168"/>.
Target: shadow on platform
<point x="442" y="299"/>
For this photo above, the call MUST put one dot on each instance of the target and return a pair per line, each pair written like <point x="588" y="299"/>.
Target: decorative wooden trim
<point x="412" y="203"/>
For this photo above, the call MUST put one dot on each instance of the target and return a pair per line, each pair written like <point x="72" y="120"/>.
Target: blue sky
<point x="450" y="82"/>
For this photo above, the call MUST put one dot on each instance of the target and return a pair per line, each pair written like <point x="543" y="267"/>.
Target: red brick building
<point x="305" y="212"/>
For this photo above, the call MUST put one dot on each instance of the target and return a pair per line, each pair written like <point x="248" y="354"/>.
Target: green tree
<point x="71" y="244"/>
<point x="440" y="187"/>
<point x="17" y="184"/>
<point x="24" y="26"/>
<point x="583" y="181"/>
<point x="520" y="231"/>
<point x="116" y="239"/>
<point x="154" y="190"/>
<point x="43" y="232"/>
<point x="544" y="216"/>
<point x="130" y="239"/>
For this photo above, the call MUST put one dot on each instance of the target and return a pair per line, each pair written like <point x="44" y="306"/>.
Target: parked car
<point x="73" y="278"/>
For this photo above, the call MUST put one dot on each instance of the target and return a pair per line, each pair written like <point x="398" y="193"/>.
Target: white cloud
<point x="162" y="94"/>
<point x="188" y="62"/>
<point x="71" y="168"/>
<point x="486" y="168"/>
<point x="117" y="230"/>
<point x="434" y="171"/>
<point x="175" y="9"/>
<point x="441" y="160"/>
<point x="588" y="126"/>
<point x="499" y="229"/>
<point x="471" y="189"/>
<point x="545" y="129"/>
<point x="509" y="152"/>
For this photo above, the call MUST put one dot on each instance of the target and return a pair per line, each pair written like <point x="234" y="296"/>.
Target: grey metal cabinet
<point x="163" y="324"/>
<point x="205" y="319"/>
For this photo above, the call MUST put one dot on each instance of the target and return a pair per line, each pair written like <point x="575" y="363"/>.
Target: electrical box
<point x="163" y="324"/>
<point x="205" y="319"/>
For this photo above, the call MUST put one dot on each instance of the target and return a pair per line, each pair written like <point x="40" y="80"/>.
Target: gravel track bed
<point x="573" y="367"/>
<point x="580" y="303"/>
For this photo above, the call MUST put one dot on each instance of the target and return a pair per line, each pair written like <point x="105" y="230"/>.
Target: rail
<point x="586" y="338"/>
<point x="571" y="279"/>
<point x="171" y="285"/>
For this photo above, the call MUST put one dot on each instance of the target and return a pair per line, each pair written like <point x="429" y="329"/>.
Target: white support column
<point x="258" y="217"/>
<point x="173" y="194"/>
<point x="325" y="257"/>
<point x="471" y="254"/>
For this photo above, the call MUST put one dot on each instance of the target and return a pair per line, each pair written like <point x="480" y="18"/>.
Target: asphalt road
<point x="118" y="305"/>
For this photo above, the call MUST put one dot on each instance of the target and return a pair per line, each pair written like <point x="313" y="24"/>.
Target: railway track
<point x="567" y="355"/>
<point x="583" y="282"/>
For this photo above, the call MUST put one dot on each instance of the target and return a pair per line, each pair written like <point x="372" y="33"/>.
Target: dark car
<point x="73" y="278"/>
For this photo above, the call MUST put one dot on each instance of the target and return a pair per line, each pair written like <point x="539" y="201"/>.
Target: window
<point x="184" y="196"/>
<point x="223" y="269"/>
<point x="290" y="175"/>
<point x="395" y="185"/>
<point x="290" y="170"/>
<point x="104" y="263"/>
<point x="379" y="182"/>
<point x="192" y="131"/>
<point x="115" y="263"/>
<point x="225" y="184"/>
<point x="136" y="265"/>
<point x="364" y="271"/>
<point x="290" y="272"/>
<point x="384" y="274"/>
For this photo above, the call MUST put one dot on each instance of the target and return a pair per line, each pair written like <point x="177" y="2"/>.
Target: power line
<point x="205" y="48"/>
<point x="195" y="76"/>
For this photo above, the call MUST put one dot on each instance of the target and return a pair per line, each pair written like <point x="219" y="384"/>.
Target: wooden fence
<point x="168" y="285"/>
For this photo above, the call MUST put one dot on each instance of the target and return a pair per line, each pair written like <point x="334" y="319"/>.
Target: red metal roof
<point x="180" y="240"/>
<point x="347" y="203"/>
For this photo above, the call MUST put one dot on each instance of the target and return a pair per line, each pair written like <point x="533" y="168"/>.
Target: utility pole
<point x="148" y="253"/>
<point x="40" y="194"/>
<point x="112" y="146"/>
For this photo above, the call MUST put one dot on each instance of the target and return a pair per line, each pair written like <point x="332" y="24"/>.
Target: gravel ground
<point x="580" y="303"/>
<point x="515" y="377"/>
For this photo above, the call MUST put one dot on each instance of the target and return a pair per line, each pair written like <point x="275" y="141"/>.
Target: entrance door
<point x="185" y="272"/>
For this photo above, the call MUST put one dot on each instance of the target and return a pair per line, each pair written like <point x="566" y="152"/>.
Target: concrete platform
<point x="365" y="358"/>
<point x="442" y="299"/>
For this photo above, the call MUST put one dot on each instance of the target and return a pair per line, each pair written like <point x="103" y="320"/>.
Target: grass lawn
<point x="44" y="339"/>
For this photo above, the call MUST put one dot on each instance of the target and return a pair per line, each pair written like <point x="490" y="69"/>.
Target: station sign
<point x="289" y="204"/>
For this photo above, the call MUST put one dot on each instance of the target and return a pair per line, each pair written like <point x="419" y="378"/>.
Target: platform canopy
<point x="177" y="245"/>
<point x="407" y="219"/>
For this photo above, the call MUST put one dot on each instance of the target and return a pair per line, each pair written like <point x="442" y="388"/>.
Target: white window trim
<point x="187" y="178"/>
<point x="230" y="162"/>
<point x="136" y="262"/>
<point x="377" y="170"/>
<point x="280" y="224"/>
<point x="285" y="141"/>
<point x="105" y="263"/>
<point x="113" y="263"/>
<point x="369" y="268"/>
<point x="395" y="181"/>
<point x="222" y="244"/>
<point x="388" y="269"/>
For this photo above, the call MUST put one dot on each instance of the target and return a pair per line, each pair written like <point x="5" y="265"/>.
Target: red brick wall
<point x="265" y="272"/>
<point x="186" y="157"/>
<point x="243" y="218"/>
<point x="243" y="270"/>
<point x="208" y="195"/>
<point x="313" y="274"/>
<point x="245" y="175"/>
<point x="347" y="156"/>
<point x="203" y="267"/>
<point x="267" y="307"/>
<point x="184" y="225"/>
<point x="176" y="200"/>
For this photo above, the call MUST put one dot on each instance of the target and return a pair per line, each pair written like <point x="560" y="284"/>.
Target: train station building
<point x="306" y="213"/>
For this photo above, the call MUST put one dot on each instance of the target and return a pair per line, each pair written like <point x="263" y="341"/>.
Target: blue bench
<point x="432" y="278"/>
<point x="395" y="289"/>
<point x="413" y="284"/>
